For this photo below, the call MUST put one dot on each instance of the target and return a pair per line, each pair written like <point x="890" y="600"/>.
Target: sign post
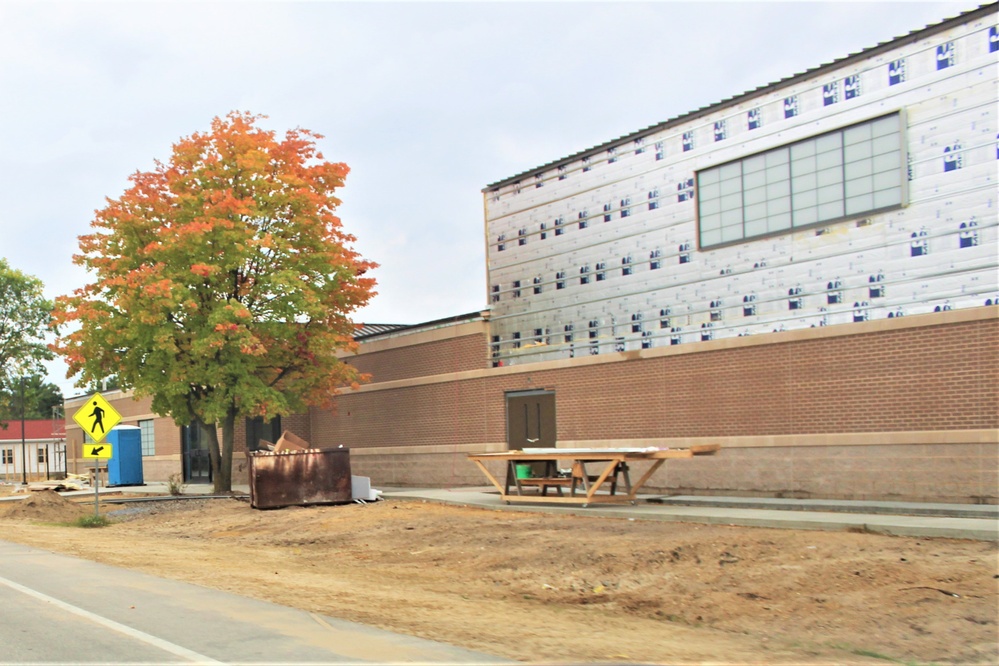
<point x="97" y="417"/>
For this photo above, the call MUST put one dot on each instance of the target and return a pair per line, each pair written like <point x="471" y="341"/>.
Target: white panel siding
<point x="937" y="252"/>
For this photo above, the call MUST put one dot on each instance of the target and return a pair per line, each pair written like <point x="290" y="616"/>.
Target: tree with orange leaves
<point x="224" y="283"/>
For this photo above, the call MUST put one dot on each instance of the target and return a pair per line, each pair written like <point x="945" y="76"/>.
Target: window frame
<point x="787" y="148"/>
<point x="149" y="450"/>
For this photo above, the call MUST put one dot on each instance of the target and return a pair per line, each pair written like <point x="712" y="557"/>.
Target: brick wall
<point x="238" y="435"/>
<point x="449" y="413"/>
<point x="467" y="352"/>
<point x="962" y="472"/>
<point x="933" y="378"/>
<point x="167" y="436"/>
<point x="299" y="424"/>
<point x="864" y="380"/>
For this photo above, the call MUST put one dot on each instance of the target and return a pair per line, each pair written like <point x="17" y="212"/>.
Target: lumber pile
<point x="57" y="486"/>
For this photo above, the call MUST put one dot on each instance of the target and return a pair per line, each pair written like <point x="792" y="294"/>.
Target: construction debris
<point x="288" y="441"/>
<point x="291" y="442"/>
<point x="57" y="486"/>
<point x="360" y="489"/>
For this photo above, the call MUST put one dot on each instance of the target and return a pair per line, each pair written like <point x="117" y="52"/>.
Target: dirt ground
<point x="536" y="587"/>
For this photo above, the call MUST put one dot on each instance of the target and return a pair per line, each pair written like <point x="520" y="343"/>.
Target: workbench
<point x="594" y="475"/>
<point x="93" y="474"/>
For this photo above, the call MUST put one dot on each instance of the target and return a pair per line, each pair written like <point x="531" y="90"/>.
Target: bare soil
<point x="44" y="506"/>
<point x="537" y="587"/>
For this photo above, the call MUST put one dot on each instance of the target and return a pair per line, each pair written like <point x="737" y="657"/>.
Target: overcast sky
<point x="427" y="104"/>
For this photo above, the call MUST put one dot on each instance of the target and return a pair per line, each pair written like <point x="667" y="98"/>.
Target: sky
<point x="427" y="103"/>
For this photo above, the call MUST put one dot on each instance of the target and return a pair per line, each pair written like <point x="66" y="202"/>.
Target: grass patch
<point x="175" y="484"/>
<point x="93" y="521"/>
<point x="860" y="652"/>
<point x="874" y="655"/>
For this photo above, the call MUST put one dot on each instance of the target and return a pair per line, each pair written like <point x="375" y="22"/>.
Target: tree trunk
<point x="221" y="456"/>
<point x="212" y="436"/>
<point x="223" y="482"/>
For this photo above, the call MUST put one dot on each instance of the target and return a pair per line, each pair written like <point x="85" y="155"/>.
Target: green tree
<point x="40" y="397"/>
<point x="224" y="283"/>
<point x="24" y="320"/>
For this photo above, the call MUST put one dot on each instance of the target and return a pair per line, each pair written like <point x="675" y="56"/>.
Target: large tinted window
<point x="846" y="173"/>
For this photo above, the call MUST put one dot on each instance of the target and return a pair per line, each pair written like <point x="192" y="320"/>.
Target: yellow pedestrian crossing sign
<point x="96" y="417"/>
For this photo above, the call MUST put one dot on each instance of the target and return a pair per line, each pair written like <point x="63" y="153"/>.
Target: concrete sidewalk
<point x="880" y="517"/>
<point x="956" y="521"/>
<point x="986" y="511"/>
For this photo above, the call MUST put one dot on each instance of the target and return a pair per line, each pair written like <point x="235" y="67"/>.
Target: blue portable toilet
<point x="125" y="463"/>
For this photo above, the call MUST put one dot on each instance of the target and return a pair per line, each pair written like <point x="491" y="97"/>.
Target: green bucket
<point x="523" y="471"/>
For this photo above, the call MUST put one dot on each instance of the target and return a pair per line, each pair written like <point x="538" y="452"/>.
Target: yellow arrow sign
<point x="97" y="450"/>
<point x="97" y="417"/>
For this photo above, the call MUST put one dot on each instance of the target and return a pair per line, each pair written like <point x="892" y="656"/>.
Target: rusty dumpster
<point x="299" y="478"/>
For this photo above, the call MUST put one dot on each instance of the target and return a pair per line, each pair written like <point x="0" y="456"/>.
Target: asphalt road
<point x="57" y="609"/>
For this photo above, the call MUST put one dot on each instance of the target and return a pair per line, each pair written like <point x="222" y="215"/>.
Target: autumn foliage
<point x="224" y="282"/>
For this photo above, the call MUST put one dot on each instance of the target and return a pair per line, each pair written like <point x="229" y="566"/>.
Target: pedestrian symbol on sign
<point x="98" y="415"/>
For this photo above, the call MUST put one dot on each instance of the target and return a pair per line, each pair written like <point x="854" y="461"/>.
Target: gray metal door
<point x="530" y="419"/>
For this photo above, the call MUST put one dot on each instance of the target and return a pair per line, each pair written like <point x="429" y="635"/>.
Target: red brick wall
<point x="467" y="352"/>
<point x="298" y="424"/>
<point x="934" y="378"/>
<point x="448" y="413"/>
<point x="238" y="435"/>
<point x="918" y="379"/>
<point x="167" y="436"/>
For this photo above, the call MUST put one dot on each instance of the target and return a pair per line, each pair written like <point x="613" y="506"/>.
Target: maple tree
<point x="224" y="283"/>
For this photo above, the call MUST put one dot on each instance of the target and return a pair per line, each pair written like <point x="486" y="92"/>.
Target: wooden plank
<point x="579" y="474"/>
<point x="546" y="481"/>
<point x="611" y="466"/>
<point x="648" y="473"/>
<point x="597" y="456"/>
<point x="670" y="453"/>
<point x="57" y="486"/>
<point x="526" y="457"/>
<point x="488" y="475"/>
<point x="584" y="451"/>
